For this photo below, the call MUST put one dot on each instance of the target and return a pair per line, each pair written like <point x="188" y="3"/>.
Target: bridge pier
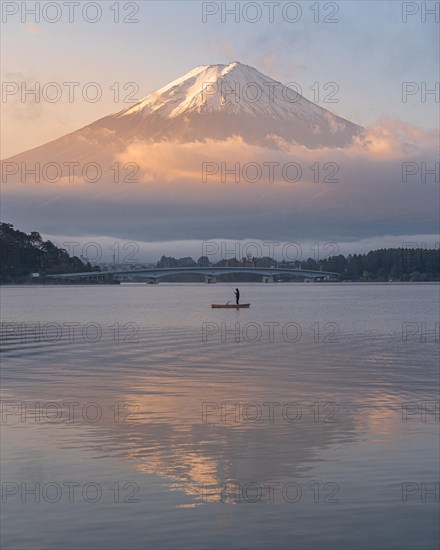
<point x="267" y="279"/>
<point x="210" y="279"/>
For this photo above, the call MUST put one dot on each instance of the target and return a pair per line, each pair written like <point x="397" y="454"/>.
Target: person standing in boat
<point x="237" y="296"/>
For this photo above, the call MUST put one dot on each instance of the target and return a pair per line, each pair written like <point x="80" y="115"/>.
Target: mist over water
<point x="307" y="421"/>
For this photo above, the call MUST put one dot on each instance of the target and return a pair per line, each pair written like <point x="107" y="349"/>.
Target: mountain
<point x="218" y="101"/>
<point x="209" y="102"/>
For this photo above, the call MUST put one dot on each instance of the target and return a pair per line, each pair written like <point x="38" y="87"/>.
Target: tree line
<point x="386" y="264"/>
<point x="23" y="254"/>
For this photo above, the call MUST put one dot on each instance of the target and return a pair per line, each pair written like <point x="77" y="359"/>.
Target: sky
<point x="366" y="51"/>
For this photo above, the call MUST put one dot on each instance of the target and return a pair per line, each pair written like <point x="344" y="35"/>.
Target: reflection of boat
<point x="232" y="306"/>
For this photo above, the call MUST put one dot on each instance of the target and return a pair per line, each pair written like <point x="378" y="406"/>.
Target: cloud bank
<point x="385" y="183"/>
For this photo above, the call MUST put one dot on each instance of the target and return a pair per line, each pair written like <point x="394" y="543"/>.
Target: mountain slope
<point x="209" y="102"/>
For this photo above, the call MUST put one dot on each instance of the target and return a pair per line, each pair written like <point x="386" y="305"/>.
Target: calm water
<point x="141" y="418"/>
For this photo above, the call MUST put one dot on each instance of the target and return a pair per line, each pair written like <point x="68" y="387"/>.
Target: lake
<point x="136" y="416"/>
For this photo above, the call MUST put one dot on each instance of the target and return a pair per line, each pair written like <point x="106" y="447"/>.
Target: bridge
<point x="210" y="274"/>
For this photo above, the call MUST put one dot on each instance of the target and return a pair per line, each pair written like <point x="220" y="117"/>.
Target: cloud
<point x="393" y="138"/>
<point x="31" y="29"/>
<point x="232" y="189"/>
<point x="223" y="46"/>
<point x="100" y="248"/>
<point x="282" y="69"/>
<point x="22" y="96"/>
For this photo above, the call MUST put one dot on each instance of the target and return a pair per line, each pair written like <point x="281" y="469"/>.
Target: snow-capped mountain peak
<point x="233" y="88"/>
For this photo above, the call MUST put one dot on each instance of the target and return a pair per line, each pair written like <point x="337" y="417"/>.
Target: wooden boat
<point x="230" y="306"/>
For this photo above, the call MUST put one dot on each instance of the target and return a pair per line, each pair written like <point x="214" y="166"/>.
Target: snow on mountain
<point x="238" y="89"/>
<point x="233" y="88"/>
<point x="209" y="102"/>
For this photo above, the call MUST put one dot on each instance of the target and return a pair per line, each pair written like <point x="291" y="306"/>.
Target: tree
<point x="203" y="261"/>
<point x="23" y="254"/>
